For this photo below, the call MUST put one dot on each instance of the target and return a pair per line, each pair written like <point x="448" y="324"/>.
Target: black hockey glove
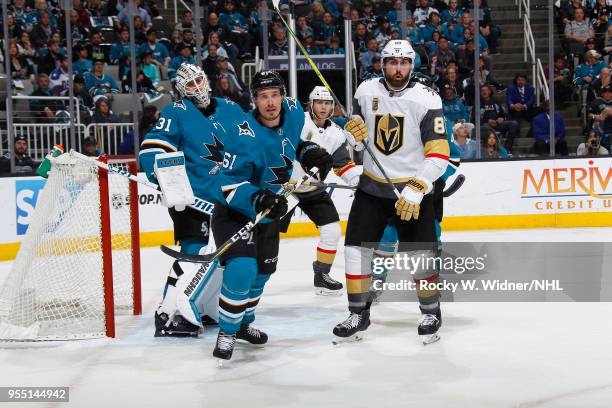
<point x="266" y="199"/>
<point x="311" y="155"/>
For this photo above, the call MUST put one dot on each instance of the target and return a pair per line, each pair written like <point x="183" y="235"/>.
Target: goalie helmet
<point x="399" y="49"/>
<point x="320" y="93"/>
<point x="267" y="79"/>
<point x="191" y="82"/>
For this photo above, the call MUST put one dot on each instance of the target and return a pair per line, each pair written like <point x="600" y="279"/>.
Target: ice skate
<point x="351" y="330"/>
<point x="224" y="348"/>
<point x="324" y="284"/>
<point x="177" y="327"/>
<point x="251" y="335"/>
<point x="428" y="327"/>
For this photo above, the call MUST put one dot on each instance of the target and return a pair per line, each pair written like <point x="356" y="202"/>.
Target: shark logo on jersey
<point x="291" y="103"/>
<point x="388" y="133"/>
<point x="245" y="129"/>
<point x="180" y="105"/>
<point x="282" y="173"/>
<point x="215" y="150"/>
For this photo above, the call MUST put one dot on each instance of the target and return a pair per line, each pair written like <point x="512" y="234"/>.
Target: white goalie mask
<point x="191" y="82"/>
<point x="399" y="49"/>
<point x="320" y="93"/>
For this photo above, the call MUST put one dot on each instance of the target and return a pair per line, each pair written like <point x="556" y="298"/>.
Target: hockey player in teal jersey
<point x="259" y="161"/>
<point x="196" y="125"/>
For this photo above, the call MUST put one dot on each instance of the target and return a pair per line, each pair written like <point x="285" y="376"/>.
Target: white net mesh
<point x="55" y="288"/>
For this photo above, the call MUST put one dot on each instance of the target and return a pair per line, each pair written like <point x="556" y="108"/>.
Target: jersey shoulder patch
<point x="244" y="129"/>
<point x="179" y="104"/>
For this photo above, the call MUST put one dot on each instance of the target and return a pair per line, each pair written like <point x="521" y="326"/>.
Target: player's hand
<point x="312" y="155"/>
<point x="409" y="204"/>
<point x="357" y="131"/>
<point x="266" y="199"/>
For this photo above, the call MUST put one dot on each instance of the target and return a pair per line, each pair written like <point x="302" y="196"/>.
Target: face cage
<point x="201" y="92"/>
<point x="331" y="113"/>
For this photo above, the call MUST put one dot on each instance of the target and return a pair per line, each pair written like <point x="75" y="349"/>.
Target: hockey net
<point x="79" y="262"/>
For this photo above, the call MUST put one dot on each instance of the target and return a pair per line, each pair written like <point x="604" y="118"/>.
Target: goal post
<point x="79" y="263"/>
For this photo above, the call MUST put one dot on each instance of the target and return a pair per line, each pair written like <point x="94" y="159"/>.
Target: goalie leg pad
<point x="201" y="282"/>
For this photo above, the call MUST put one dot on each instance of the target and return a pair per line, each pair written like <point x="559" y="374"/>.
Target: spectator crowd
<point x="442" y="32"/>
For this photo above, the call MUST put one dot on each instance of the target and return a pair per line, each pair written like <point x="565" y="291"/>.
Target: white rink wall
<point x="496" y="195"/>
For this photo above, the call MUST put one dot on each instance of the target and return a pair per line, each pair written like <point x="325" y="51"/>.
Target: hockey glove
<point x="409" y="204"/>
<point x="312" y="155"/>
<point x="266" y="199"/>
<point x="357" y="132"/>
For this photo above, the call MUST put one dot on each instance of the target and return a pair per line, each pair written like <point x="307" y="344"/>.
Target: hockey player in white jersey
<point x="315" y="201"/>
<point x="403" y="123"/>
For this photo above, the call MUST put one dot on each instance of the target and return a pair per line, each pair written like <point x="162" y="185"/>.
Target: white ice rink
<point x="490" y="355"/>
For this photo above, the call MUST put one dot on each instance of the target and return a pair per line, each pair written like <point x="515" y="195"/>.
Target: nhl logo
<point x="375" y="103"/>
<point x="117" y="201"/>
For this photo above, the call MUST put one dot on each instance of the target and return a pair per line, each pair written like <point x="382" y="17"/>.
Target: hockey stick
<point x="455" y="186"/>
<point x="336" y="100"/>
<point x="204" y="259"/>
<point x="329" y="185"/>
<point x="200" y="205"/>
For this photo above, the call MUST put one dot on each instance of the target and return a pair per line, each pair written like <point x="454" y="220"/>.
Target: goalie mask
<point x="320" y="93"/>
<point x="398" y="59"/>
<point x="192" y="83"/>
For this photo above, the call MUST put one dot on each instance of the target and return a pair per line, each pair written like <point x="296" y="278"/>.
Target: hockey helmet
<point x="398" y="49"/>
<point x="191" y="82"/>
<point x="267" y="79"/>
<point x="320" y="93"/>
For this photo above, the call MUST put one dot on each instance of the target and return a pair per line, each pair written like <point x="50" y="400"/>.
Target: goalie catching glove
<point x="173" y="182"/>
<point x="408" y="205"/>
<point x="357" y="132"/>
<point x="311" y="155"/>
<point x="266" y="199"/>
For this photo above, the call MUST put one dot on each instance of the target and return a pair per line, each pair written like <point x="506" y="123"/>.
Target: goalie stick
<point x="276" y="4"/>
<point x="200" y="205"/>
<point x="207" y="258"/>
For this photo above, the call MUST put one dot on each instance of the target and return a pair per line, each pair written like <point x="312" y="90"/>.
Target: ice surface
<point x="490" y="355"/>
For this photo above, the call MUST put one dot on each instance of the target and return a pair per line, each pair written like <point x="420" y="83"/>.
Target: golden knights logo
<point x="388" y="133"/>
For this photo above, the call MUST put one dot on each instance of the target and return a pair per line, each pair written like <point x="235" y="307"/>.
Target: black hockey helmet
<point x="267" y="79"/>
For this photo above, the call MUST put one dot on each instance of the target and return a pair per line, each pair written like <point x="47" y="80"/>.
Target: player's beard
<point x="397" y="84"/>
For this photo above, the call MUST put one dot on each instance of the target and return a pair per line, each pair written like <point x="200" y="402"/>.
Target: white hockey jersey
<point x="333" y="139"/>
<point x="406" y="133"/>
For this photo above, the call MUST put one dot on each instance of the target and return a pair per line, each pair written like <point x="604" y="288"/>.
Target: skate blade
<point x="355" y="338"/>
<point x="430" y="338"/>
<point x="327" y="292"/>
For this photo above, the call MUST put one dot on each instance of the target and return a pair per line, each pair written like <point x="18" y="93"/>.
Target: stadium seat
<point x="161" y="102"/>
<point x="113" y="72"/>
<point x="123" y="103"/>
